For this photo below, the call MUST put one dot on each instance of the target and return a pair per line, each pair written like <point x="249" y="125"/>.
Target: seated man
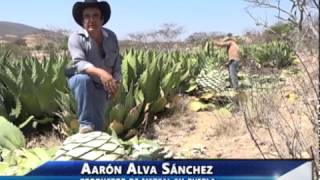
<point x="96" y="62"/>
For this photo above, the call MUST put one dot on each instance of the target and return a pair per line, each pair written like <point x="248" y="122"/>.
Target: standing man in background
<point x="230" y="44"/>
<point x="96" y="65"/>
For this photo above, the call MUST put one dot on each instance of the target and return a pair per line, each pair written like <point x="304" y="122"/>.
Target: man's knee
<point x="79" y="80"/>
<point x="82" y="79"/>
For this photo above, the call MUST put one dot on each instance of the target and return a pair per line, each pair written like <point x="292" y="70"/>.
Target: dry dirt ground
<point x="286" y="127"/>
<point x="211" y="135"/>
<point x="221" y="135"/>
<point x="204" y="135"/>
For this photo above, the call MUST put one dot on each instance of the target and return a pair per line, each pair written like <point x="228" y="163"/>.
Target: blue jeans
<point x="233" y="73"/>
<point x="91" y="101"/>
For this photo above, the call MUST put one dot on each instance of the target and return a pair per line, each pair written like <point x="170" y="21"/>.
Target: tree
<point x="302" y="20"/>
<point x="169" y="32"/>
<point x="199" y="37"/>
<point x="138" y="37"/>
<point x="166" y="35"/>
<point x="301" y="15"/>
<point x="278" y="31"/>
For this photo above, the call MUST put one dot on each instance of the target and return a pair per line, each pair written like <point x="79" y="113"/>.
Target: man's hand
<point x="221" y="44"/>
<point x="217" y="43"/>
<point x="108" y="82"/>
<point x="116" y="85"/>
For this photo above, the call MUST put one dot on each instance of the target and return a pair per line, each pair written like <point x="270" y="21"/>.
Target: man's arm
<point x="78" y="54"/>
<point x="221" y="44"/>
<point x="82" y="65"/>
<point x="106" y="78"/>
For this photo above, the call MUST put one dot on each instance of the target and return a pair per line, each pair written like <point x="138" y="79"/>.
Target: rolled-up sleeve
<point x="77" y="53"/>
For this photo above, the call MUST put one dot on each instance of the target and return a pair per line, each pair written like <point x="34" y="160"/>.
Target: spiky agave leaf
<point x="158" y="105"/>
<point x="130" y="101"/>
<point x="170" y="83"/>
<point x="22" y="161"/>
<point x="143" y="149"/>
<point x="120" y="96"/>
<point x="128" y="72"/>
<point x="117" y="113"/>
<point x="117" y="127"/>
<point x="150" y="82"/>
<point x="138" y="96"/>
<point x="67" y="111"/>
<point x="132" y="116"/>
<point x="3" y="110"/>
<point x="35" y="84"/>
<point x="10" y="136"/>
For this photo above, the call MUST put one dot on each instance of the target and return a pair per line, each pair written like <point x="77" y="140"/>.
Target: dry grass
<point x="47" y="140"/>
<point x="287" y="113"/>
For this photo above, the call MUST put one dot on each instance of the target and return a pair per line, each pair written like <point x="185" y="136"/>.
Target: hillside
<point x="29" y="36"/>
<point x="16" y="29"/>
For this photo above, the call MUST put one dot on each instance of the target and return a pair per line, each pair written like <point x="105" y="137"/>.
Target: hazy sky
<point x="130" y="16"/>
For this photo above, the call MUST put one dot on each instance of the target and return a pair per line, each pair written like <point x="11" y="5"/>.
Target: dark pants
<point x="233" y="73"/>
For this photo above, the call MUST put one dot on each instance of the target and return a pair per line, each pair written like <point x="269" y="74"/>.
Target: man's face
<point x="92" y="19"/>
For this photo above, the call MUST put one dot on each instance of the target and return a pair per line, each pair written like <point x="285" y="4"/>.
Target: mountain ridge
<point x="19" y="30"/>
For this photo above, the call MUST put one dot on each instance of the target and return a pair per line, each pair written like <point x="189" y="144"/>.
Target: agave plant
<point x="22" y="161"/>
<point x="151" y="79"/>
<point x="3" y="109"/>
<point x="10" y="136"/>
<point x="15" y="159"/>
<point x="210" y="55"/>
<point x="68" y="123"/>
<point x="142" y="149"/>
<point x="276" y="53"/>
<point x="283" y="54"/>
<point x="124" y="111"/>
<point x="32" y="87"/>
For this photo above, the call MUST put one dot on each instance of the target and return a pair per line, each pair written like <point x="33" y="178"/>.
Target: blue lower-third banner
<point x="173" y="169"/>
